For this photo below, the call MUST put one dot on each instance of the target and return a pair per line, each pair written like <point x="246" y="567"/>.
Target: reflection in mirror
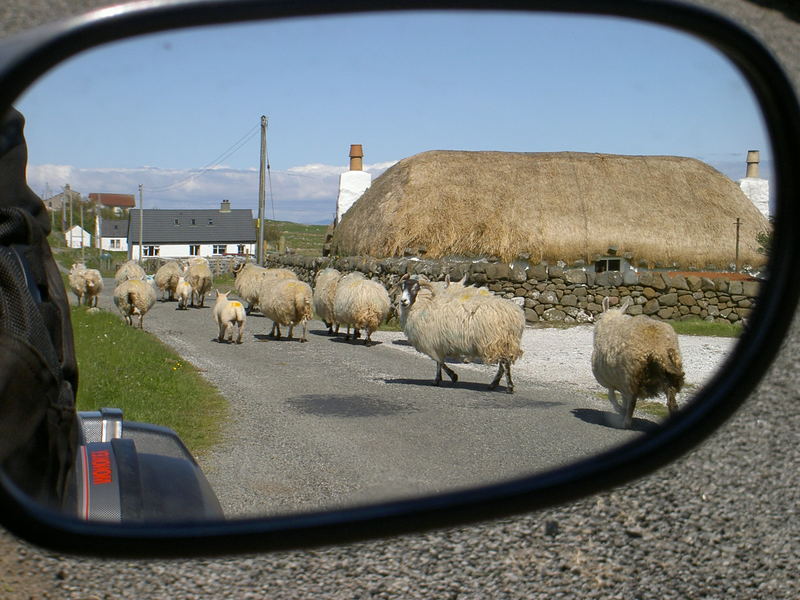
<point x="559" y="162"/>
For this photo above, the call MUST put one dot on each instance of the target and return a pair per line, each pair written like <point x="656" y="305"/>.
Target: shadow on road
<point x="347" y="406"/>
<point x="611" y="420"/>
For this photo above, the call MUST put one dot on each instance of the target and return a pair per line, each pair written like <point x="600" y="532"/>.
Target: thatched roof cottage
<point x="657" y="211"/>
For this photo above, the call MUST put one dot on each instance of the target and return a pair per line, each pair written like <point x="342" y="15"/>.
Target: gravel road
<point x="721" y="523"/>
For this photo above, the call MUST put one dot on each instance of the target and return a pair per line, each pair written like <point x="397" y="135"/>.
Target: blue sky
<point x="167" y="111"/>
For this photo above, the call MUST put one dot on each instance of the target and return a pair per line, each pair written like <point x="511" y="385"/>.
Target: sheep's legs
<point x="612" y="397"/>
<point x="275" y="327"/>
<point x="503" y="366"/>
<point x="241" y="332"/>
<point x="304" y="337"/>
<point x="630" y="406"/>
<point x="672" y="403"/>
<point x="450" y="373"/>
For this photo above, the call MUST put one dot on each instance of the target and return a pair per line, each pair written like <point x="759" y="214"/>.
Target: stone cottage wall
<point x="555" y="294"/>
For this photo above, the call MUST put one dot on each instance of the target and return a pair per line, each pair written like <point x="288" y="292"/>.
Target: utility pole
<point x="83" y="255"/>
<point x="141" y="222"/>
<point x="261" y="191"/>
<point x="68" y="198"/>
<point x="738" y="225"/>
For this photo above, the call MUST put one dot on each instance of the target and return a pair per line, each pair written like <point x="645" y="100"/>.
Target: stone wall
<point x="554" y="294"/>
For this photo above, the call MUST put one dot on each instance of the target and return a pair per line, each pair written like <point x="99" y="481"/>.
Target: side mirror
<point x="30" y="57"/>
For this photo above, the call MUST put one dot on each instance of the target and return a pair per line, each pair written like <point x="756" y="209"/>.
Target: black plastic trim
<point x="27" y="58"/>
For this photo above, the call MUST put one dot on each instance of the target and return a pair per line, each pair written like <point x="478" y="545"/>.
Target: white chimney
<point x="755" y="188"/>
<point x="352" y="183"/>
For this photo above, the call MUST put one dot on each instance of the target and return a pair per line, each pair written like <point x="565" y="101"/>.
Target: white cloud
<point x="305" y="193"/>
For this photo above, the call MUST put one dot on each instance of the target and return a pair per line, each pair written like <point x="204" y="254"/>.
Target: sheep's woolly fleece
<point x="564" y="357"/>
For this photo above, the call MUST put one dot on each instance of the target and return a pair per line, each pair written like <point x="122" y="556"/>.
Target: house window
<point x="211" y="221"/>
<point x="193" y="222"/>
<point x="194" y="250"/>
<point x="151" y="250"/>
<point x="115" y="244"/>
<point x="242" y="249"/>
<point x="220" y="248"/>
<point x="607" y="264"/>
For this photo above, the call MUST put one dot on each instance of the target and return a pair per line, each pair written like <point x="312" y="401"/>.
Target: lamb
<point x="638" y="356"/>
<point x="324" y="293"/>
<point x="167" y="278"/>
<point x="134" y="297"/>
<point x="248" y="277"/>
<point x="360" y="303"/>
<point x="199" y="277"/>
<point x="129" y="270"/>
<point x="286" y="302"/>
<point x="461" y="323"/>
<point x="183" y="292"/>
<point x="228" y="313"/>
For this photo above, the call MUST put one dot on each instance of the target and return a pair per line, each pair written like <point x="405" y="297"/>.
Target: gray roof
<point x="193" y="226"/>
<point x="114" y="228"/>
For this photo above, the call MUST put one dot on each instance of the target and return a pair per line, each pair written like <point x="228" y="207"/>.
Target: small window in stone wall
<point x="607" y="264"/>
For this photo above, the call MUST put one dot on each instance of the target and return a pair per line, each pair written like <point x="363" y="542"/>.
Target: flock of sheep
<point x="637" y="356"/>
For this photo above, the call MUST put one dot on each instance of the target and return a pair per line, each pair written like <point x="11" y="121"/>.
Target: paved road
<point x="330" y="422"/>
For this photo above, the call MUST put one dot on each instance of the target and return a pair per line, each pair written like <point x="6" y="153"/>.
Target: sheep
<point x="461" y="323"/>
<point x="226" y="314"/>
<point x="94" y="285"/>
<point x="361" y="303"/>
<point x="129" y="270"/>
<point x="325" y="285"/>
<point x="183" y="292"/>
<point x="248" y="278"/>
<point x="637" y="356"/>
<point x="134" y="297"/>
<point x="77" y="281"/>
<point x="85" y="283"/>
<point x="199" y="277"/>
<point x="167" y="279"/>
<point x="286" y="302"/>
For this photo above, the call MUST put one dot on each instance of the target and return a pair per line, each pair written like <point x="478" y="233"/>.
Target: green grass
<point x="126" y="368"/>
<point x="713" y="329"/>
<point x="303" y="239"/>
<point x="91" y="257"/>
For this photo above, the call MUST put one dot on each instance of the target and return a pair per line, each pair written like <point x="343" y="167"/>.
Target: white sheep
<point x="461" y="323"/>
<point x="360" y="303"/>
<point x="248" y="278"/>
<point x="183" y="293"/>
<point x="637" y="356"/>
<point x="77" y="281"/>
<point x="286" y="302"/>
<point x="129" y="270"/>
<point x="199" y="277"/>
<point x="167" y="278"/>
<point x="94" y="285"/>
<point x="228" y="313"/>
<point x="325" y="285"/>
<point x="134" y="297"/>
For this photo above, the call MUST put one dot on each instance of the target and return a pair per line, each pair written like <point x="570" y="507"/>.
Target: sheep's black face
<point x="409" y="289"/>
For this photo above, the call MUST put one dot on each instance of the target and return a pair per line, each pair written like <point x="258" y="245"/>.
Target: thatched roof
<point x="661" y="210"/>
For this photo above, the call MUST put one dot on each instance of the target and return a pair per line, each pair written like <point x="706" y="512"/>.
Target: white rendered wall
<point x="758" y="191"/>
<point x="105" y="244"/>
<point x="352" y="184"/>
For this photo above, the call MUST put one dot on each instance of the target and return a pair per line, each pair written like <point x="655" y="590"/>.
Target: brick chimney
<point x="356" y="157"/>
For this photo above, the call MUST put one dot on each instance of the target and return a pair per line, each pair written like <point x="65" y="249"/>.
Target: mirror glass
<point x="558" y="160"/>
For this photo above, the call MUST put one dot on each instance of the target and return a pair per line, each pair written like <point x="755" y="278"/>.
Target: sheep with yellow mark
<point x="228" y="313"/>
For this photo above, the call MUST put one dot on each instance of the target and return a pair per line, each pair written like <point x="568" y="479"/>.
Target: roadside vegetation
<point x="123" y="367"/>
<point x="302" y="239"/>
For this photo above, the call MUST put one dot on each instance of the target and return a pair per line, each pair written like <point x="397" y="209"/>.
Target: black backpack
<point x="38" y="370"/>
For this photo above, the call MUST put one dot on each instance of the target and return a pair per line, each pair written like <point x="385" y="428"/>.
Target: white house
<point x="77" y="237"/>
<point x="113" y="234"/>
<point x="185" y="233"/>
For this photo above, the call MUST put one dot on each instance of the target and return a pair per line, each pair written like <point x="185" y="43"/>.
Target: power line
<point x="215" y="163"/>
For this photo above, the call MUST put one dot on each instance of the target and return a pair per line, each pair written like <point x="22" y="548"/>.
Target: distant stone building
<point x="119" y="203"/>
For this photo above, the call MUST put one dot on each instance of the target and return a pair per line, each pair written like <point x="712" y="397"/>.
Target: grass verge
<point x="126" y="368"/>
<point x="707" y="328"/>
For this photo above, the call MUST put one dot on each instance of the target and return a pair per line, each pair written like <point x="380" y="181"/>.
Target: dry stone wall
<point x="550" y="293"/>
